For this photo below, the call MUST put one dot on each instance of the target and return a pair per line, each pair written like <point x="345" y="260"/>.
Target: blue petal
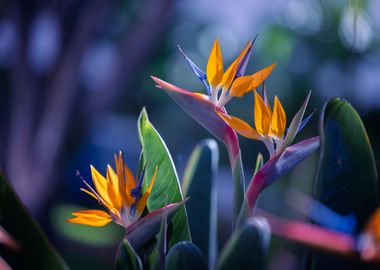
<point x="137" y="191"/>
<point x="305" y="121"/>
<point x="324" y="216"/>
<point x="243" y="63"/>
<point x="264" y="93"/>
<point x="197" y="71"/>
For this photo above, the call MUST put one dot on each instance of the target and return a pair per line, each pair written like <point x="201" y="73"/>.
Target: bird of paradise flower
<point x="122" y="196"/>
<point x="209" y="111"/>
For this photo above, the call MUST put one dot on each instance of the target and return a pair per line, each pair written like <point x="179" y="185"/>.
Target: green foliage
<point x="347" y="180"/>
<point x="185" y="256"/>
<point x="35" y="250"/>
<point x="161" y="247"/>
<point x="247" y="248"/>
<point x="199" y="184"/>
<point x="127" y="259"/>
<point x="166" y="188"/>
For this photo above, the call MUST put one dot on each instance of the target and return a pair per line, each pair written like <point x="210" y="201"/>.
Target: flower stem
<point x="234" y="153"/>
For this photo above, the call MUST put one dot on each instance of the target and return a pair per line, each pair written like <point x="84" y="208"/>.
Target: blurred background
<point x="74" y="76"/>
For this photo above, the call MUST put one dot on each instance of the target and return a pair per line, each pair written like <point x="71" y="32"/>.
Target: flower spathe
<point x="119" y="193"/>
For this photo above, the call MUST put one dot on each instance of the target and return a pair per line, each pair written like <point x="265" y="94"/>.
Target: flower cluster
<point x="119" y="193"/>
<point x="222" y="85"/>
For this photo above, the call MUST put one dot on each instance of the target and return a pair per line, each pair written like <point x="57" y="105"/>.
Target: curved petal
<point x="240" y="126"/>
<point x="244" y="60"/>
<point x="215" y="67"/>
<point x="113" y="188"/>
<point x="278" y="123"/>
<point x="95" y="218"/>
<point x="230" y="73"/>
<point x="262" y="115"/>
<point x="101" y="185"/>
<point x="197" y="71"/>
<point x="89" y="193"/>
<point x="240" y="86"/>
<point x="142" y="202"/>
<point x="261" y="75"/>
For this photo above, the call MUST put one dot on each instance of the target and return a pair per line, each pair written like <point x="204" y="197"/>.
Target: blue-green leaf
<point x="185" y="256"/>
<point x="161" y="247"/>
<point x="199" y="184"/>
<point x="127" y="257"/>
<point x="347" y="179"/>
<point x="166" y="188"/>
<point x="247" y="248"/>
<point x="36" y="252"/>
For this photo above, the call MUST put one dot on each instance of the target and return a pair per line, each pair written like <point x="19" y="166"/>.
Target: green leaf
<point x="127" y="258"/>
<point x="185" y="256"/>
<point x="161" y="247"/>
<point x="199" y="184"/>
<point x="166" y="188"/>
<point x="247" y="248"/>
<point x="347" y="180"/>
<point x="36" y="251"/>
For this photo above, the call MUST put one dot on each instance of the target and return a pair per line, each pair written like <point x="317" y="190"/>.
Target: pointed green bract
<point x="161" y="247"/>
<point x="295" y="124"/>
<point x="259" y="163"/>
<point x="247" y="248"/>
<point x="166" y="188"/>
<point x="185" y="256"/>
<point x="199" y="184"/>
<point x="347" y="179"/>
<point x="127" y="257"/>
<point x="36" y="251"/>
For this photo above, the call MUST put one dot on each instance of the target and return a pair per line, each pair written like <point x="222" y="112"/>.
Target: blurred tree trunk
<point x="42" y="107"/>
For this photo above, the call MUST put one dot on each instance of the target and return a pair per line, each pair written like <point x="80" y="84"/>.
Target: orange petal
<point x="91" y="217"/>
<point x="240" y="126"/>
<point x="262" y="115"/>
<point x="142" y="201"/>
<point x="260" y="76"/>
<point x="112" y="177"/>
<point x="113" y="188"/>
<point x="230" y="73"/>
<point x="130" y="183"/>
<point x="278" y="122"/>
<point x="89" y="193"/>
<point x="101" y="185"/>
<point x="119" y="163"/>
<point x="240" y="86"/>
<point x="215" y="67"/>
<point x="373" y="225"/>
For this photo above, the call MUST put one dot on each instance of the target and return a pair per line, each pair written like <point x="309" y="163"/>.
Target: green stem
<point x="232" y="144"/>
